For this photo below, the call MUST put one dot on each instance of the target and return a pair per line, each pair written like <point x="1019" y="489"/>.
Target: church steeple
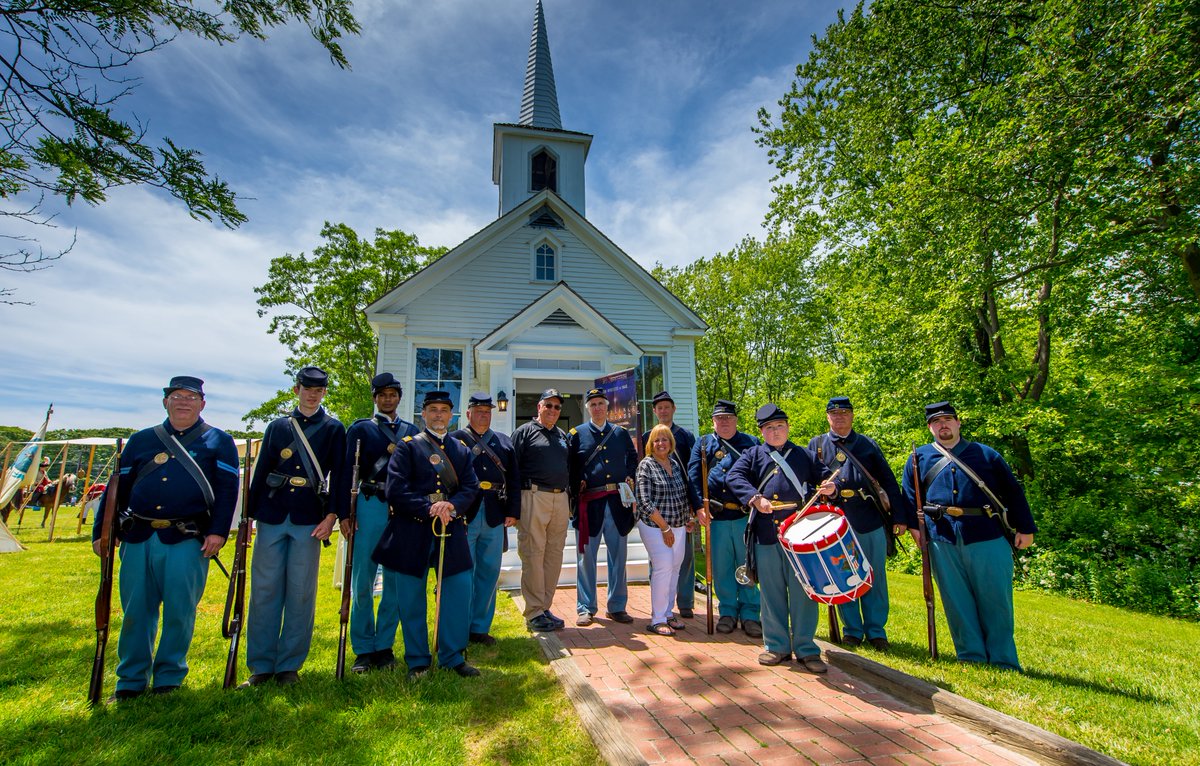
<point x="539" y="102"/>
<point x="535" y="155"/>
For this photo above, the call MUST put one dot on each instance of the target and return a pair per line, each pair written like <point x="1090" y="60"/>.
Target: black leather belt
<point x="938" y="511"/>
<point x="536" y="488"/>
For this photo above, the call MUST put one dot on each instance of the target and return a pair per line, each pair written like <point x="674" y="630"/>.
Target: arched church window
<point x="544" y="172"/>
<point x="545" y="267"/>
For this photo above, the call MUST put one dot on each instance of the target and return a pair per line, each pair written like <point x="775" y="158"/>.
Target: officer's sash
<point x="308" y="458"/>
<point x="178" y="449"/>
<point x="480" y="446"/>
<point x="435" y="453"/>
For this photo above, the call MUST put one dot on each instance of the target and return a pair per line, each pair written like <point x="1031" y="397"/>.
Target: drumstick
<point x="811" y="502"/>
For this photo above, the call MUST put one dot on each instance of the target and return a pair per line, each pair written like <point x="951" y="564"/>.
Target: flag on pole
<point x="22" y="474"/>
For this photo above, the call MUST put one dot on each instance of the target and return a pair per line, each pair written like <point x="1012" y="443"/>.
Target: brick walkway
<point x="692" y="698"/>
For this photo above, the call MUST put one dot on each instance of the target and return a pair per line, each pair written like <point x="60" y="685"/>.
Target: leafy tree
<point x="64" y="71"/>
<point x="326" y="293"/>
<point x="1003" y="197"/>
<point x="766" y="328"/>
<point x="10" y="434"/>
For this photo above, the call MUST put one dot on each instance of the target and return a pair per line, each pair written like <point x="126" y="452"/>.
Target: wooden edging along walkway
<point x="598" y="721"/>
<point x="1037" y="743"/>
<point x="1008" y="736"/>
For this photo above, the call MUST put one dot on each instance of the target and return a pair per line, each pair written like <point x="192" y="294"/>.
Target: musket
<point x="108" y="541"/>
<point x="348" y="569"/>
<point x="235" y="597"/>
<point x="926" y="571"/>
<point x="707" y="536"/>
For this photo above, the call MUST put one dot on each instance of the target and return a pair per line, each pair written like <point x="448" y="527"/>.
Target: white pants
<point x="664" y="569"/>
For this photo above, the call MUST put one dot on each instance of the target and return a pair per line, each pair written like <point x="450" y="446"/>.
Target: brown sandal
<point x="676" y="623"/>
<point x="661" y="628"/>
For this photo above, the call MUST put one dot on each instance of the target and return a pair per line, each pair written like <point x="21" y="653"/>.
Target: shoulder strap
<point x="781" y="461"/>
<point x="179" y="451"/>
<point x="972" y="476"/>
<point x="596" y="450"/>
<point x="875" y="485"/>
<point x="480" y="446"/>
<point x="933" y="472"/>
<point x="430" y="449"/>
<point x="308" y="458"/>
<point x="393" y="436"/>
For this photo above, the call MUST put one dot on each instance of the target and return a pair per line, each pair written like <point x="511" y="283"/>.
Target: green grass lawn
<point x="515" y="713"/>
<point x="1123" y="683"/>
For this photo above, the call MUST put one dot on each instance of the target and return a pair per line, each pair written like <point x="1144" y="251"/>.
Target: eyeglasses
<point x="552" y="406"/>
<point x="184" y="398"/>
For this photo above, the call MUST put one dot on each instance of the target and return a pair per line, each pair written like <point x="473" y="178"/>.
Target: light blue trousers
<point x="487" y="548"/>
<point x="729" y="553"/>
<point x="452" y="621"/>
<point x="369" y="633"/>
<point x="866" y="617"/>
<point x="155" y="575"/>
<point x="283" y="596"/>
<point x="975" y="582"/>
<point x="585" y="572"/>
<point x="789" y="616"/>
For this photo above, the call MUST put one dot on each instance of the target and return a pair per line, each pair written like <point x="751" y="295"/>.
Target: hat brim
<point x="167" y="391"/>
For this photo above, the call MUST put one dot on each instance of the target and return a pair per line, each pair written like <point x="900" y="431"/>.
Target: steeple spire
<point x="539" y="102"/>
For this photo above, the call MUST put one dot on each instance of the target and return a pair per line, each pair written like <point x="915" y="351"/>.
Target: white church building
<point x="539" y="297"/>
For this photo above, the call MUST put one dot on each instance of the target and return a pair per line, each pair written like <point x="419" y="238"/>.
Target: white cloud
<point x="669" y="89"/>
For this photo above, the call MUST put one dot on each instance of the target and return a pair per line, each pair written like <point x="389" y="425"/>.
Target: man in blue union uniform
<point x="175" y="502"/>
<point x="497" y="508"/>
<point x="736" y="603"/>
<point x="972" y="562"/>
<point x="685" y="440"/>
<point x="430" y="486"/>
<point x="774" y="473"/>
<point x="601" y="457"/>
<point x="300" y="458"/>
<point x="874" y="506"/>
<point x="375" y="439"/>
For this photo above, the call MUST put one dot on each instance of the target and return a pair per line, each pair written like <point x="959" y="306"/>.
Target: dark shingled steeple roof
<point x="539" y="102"/>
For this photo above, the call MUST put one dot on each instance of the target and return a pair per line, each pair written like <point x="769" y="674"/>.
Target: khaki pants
<point x="541" y="535"/>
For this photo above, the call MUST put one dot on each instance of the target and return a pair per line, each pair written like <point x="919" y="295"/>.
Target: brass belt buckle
<point x="298" y="481"/>
<point x="954" y="510"/>
<point x="848" y="493"/>
<point x="160" y="524"/>
<point x="436" y="497"/>
<point x="485" y="485"/>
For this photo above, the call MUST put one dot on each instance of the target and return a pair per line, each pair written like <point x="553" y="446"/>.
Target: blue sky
<point x="669" y="88"/>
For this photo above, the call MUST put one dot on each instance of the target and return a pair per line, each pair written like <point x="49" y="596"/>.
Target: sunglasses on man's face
<point x="552" y="406"/>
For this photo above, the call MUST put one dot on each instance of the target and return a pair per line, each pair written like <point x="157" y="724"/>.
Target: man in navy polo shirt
<point x="300" y="458"/>
<point x="175" y="503"/>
